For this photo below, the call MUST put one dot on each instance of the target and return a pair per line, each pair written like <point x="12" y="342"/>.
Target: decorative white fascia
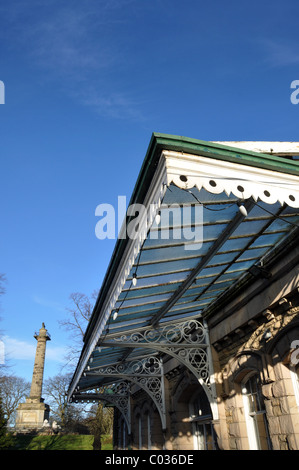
<point x="272" y="148"/>
<point x="243" y="181"/>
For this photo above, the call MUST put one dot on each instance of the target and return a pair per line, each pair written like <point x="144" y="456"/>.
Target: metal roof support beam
<point x="236" y="221"/>
<point x="188" y="332"/>
<point x="187" y="341"/>
<point x="147" y="373"/>
<point x="119" y="396"/>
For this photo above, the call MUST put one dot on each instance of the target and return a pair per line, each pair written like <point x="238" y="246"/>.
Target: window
<point x="202" y="427"/>
<point x="255" y="414"/>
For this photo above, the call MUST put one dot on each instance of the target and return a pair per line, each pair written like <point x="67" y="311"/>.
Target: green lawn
<point x="59" y="442"/>
<point x="107" y="442"/>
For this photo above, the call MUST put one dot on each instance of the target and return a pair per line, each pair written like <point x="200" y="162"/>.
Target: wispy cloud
<point x="118" y="105"/>
<point x="63" y="42"/>
<point x="77" y="47"/>
<point x="16" y="349"/>
<point x="279" y="54"/>
<point x="48" y="303"/>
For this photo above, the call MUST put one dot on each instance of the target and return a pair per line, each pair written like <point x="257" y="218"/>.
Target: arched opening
<point x="148" y="430"/>
<point x="192" y="419"/>
<point x="139" y="430"/>
<point x="204" y="437"/>
<point x="123" y="434"/>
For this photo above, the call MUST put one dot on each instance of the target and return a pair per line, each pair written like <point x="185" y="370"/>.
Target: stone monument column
<point x="32" y="414"/>
<point x="38" y="370"/>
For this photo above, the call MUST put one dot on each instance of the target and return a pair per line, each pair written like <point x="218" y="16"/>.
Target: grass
<point x="59" y="442"/>
<point x="107" y="442"/>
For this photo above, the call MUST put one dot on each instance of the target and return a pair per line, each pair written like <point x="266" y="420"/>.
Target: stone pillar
<point x="32" y="414"/>
<point x="39" y="364"/>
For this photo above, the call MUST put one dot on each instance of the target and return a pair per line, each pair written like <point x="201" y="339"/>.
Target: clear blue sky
<point x="86" y="84"/>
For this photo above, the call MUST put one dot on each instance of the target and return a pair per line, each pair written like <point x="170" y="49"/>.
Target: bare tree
<point x="99" y="422"/>
<point x="67" y="415"/>
<point x="79" y="314"/>
<point x="13" y="390"/>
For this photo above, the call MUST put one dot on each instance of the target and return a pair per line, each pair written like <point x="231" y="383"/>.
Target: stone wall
<point x="265" y="347"/>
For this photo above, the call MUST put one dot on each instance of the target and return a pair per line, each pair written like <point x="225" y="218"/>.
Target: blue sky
<point x="86" y="84"/>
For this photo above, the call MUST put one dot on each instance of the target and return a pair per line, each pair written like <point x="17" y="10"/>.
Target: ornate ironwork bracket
<point x="117" y="394"/>
<point x="147" y="373"/>
<point x="187" y="341"/>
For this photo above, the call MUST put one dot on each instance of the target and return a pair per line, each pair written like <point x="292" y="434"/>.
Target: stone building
<point x="194" y="335"/>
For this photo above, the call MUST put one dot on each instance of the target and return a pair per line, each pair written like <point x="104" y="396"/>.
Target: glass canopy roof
<point x="216" y="213"/>
<point x="166" y="261"/>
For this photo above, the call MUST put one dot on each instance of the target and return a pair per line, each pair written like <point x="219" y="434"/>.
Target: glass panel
<point x="178" y="222"/>
<point x="213" y="291"/>
<point x="189" y="307"/>
<point x="222" y="284"/>
<point x="138" y="310"/>
<point x="266" y="239"/>
<point x="222" y="258"/>
<point x="289" y="211"/>
<point x="248" y="227"/>
<point x="258" y="209"/>
<point x="162" y="278"/>
<point x="209" y="272"/>
<point x="229" y="275"/>
<point x="164" y="268"/>
<point x="254" y="253"/>
<point x="174" y="194"/>
<point x="278" y="225"/>
<point x="242" y="266"/>
<point x="210" y="199"/>
<point x="172" y="253"/>
<point x="195" y="291"/>
<point x="235" y="244"/>
<point x="148" y="291"/>
<point x="184" y="302"/>
<point x="212" y="232"/>
<point x="153" y="299"/>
